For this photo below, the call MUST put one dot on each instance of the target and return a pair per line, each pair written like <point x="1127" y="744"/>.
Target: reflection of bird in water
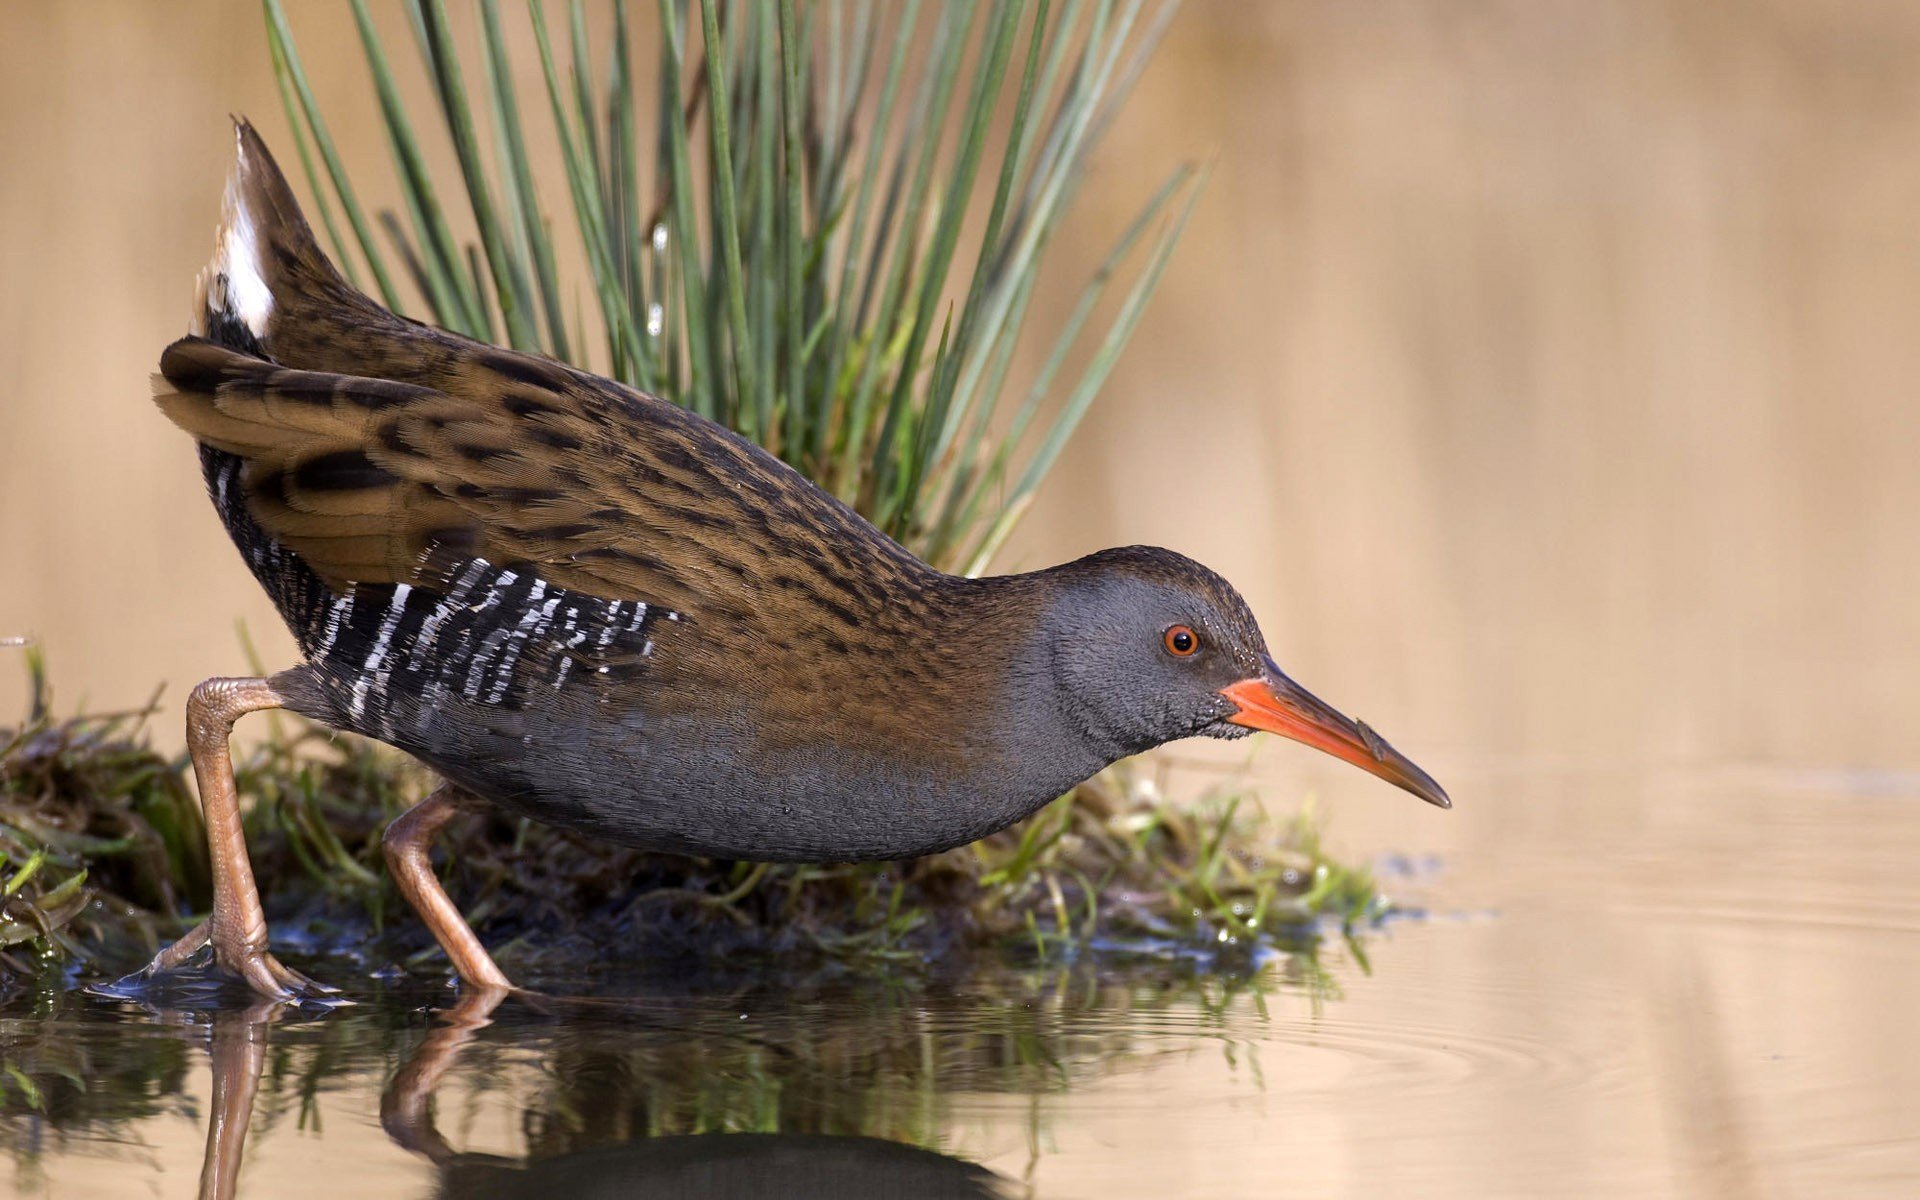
<point x="708" y="1166"/>
<point x="239" y="1052"/>
<point x="726" y="1165"/>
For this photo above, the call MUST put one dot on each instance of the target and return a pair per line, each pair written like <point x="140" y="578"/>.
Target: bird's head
<point x="1147" y="646"/>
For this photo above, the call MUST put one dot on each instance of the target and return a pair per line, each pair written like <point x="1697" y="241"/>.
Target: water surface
<point x="1677" y="983"/>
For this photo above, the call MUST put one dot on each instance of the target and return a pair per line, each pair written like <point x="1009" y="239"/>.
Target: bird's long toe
<point x="176" y="956"/>
<point x="300" y="985"/>
<point x="267" y="976"/>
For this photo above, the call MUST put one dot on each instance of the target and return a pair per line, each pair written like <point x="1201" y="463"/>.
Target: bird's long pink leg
<point x="405" y="843"/>
<point x="238" y="927"/>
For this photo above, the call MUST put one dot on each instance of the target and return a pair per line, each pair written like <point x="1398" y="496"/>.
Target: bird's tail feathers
<point x="267" y="266"/>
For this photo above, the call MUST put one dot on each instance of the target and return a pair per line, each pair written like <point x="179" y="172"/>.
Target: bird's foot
<point x="242" y="955"/>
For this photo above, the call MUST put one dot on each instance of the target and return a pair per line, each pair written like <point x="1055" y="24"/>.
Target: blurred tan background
<point x="1543" y="372"/>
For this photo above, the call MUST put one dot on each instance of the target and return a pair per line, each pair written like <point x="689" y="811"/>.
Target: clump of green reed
<point x="102" y="857"/>
<point x="827" y="237"/>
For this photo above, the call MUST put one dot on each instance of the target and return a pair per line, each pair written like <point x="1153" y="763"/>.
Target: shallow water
<point x="1683" y="983"/>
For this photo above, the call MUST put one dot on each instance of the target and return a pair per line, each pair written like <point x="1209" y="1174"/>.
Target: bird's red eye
<point x="1180" y="641"/>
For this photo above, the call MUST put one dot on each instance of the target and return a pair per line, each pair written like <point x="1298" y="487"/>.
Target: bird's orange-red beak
<point x="1272" y="702"/>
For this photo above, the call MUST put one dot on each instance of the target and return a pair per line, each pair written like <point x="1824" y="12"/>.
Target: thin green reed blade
<point x="1043" y="198"/>
<point x="290" y="104"/>
<point x="798" y="305"/>
<point x="834" y="90"/>
<point x="729" y="231"/>
<point x="1070" y="138"/>
<point x="897" y="433"/>
<point x="1091" y="381"/>
<point x="409" y="261"/>
<point x="632" y="357"/>
<point x="660" y="254"/>
<point x="1136" y="66"/>
<point x="1048" y="191"/>
<point x="494" y="69"/>
<point x="916" y="148"/>
<point x="918" y="151"/>
<point x="623" y="148"/>
<point x="971" y="484"/>
<point x="1112" y="94"/>
<point x="523" y="195"/>
<point x="796" y="247"/>
<point x="842" y="479"/>
<point x="760" y="210"/>
<point x="988" y="313"/>
<point x="837" y="124"/>
<point x="280" y="36"/>
<point x="1001" y="26"/>
<point x="582" y="75"/>
<point x="703" y="367"/>
<point x="489" y="332"/>
<point x="935" y="428"/>
<point x="453" y="303"/>
<point x="820" y="216"/>
<point x="509" y="279"/>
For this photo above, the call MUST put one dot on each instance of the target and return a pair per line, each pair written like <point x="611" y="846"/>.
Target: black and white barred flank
<point x="496" y="636"/>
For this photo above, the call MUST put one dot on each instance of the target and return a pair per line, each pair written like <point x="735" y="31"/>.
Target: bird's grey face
<point x="1145" y="661"/>
<point x="1149" y="646"/>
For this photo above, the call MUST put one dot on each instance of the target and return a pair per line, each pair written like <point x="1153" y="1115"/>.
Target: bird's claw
<point x="244" y="956"/>
<point x="266" y="975"/>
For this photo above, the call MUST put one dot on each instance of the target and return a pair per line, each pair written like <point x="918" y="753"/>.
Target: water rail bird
<point x="594" y="608"/>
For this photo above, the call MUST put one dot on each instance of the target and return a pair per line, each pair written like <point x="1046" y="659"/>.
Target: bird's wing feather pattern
<point x="520" y="460"/>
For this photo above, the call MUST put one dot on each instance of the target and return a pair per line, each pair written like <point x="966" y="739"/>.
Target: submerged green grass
<point x="102" y="859"/>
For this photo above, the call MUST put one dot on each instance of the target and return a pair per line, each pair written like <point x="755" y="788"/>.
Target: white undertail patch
<point x="235" y="282"/>
<point x="247" y="293"/>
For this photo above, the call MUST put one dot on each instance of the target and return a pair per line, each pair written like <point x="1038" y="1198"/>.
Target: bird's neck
<point x="951" y="672"/>
<point x="995" y="646"/>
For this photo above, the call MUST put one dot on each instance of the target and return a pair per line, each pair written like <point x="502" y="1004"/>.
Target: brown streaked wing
<point x="517" y="460"/>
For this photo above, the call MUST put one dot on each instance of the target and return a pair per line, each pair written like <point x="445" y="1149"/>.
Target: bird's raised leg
<point x="238" y="927"/>
<point x="405" y="843"/>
